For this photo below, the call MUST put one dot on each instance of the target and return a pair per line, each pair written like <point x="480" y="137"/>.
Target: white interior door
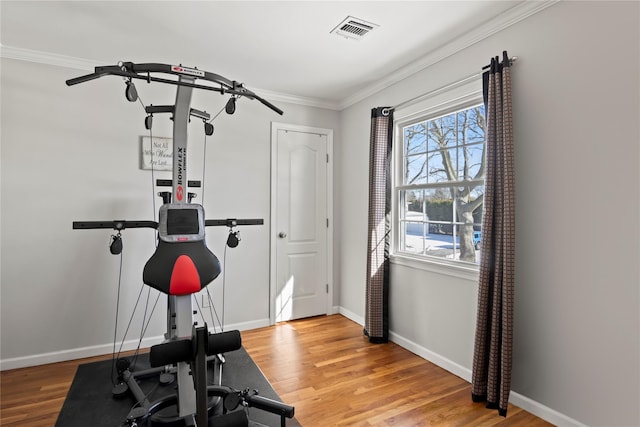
<point x="300" y="223"/>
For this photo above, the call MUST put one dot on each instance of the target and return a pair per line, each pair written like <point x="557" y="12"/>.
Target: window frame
<point x="455" y="97"/>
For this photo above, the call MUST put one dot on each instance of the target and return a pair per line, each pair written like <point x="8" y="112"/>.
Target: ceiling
<point x="283" y="47"/>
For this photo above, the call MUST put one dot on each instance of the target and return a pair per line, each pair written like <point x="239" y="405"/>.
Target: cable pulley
<point x="148" y="122"/>
<point x="115" y="247"/>
<point x="230" y="108"/>
<point x="130" y="92"/>
<point x="234" y="238"/>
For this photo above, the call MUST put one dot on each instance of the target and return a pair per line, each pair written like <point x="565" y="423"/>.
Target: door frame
<point x="275" y="127"/>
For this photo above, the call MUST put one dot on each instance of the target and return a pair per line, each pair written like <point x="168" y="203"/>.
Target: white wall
<point x="577" y="314"/>
<point x="72" y="153"/>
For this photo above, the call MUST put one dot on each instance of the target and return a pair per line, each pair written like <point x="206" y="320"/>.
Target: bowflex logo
<point x="189" y="71"/>
<point x="182" y="156"/>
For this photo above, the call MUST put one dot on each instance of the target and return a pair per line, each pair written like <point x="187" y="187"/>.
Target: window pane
<point x="442" y="165"/>
<point x="440" y="134"/>
<point x="475" y="124"/>
<point x="416" y="169"/>
<point x="440" y="245"/>
<point x="449" y="128"/>
<point x="439" y="220"/>
<point x="439" y="208"/>
<point x="469" y="161"/>
<point x="415" y="139"/>
<point x="415" y="205"/>
<point x="413" y="237"/>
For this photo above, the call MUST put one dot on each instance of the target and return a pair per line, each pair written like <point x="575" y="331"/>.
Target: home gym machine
<point x="182" y="265"/>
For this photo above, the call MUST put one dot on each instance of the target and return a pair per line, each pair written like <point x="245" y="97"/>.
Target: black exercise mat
<point x="91" y="403"/>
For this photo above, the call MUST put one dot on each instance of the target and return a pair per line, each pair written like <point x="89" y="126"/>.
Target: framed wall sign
<point x="157" y="152"/>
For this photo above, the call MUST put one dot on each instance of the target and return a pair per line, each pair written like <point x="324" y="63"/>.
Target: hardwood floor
<point x="33" y="397"/>
<point x="328" y="370"/>
<point x="323" y="366"/>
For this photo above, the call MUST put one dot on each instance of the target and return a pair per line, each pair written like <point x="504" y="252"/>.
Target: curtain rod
<point x="447" y="87"/>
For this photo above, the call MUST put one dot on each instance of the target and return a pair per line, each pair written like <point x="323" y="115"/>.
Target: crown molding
<point x="39" y="57"/>
<point x="46" y="58"/>
<point x="506" y="19"/>
<point x="295" y="99"/>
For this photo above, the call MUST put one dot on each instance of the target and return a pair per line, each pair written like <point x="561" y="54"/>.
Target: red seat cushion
<point x="184" y="277"/>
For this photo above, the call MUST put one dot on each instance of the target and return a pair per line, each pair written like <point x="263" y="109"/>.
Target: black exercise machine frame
<point x="143" y="72"/>
<point x="180" y="302"/>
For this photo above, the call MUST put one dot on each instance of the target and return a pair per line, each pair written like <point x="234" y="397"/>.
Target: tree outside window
<point x="442" y="186"/>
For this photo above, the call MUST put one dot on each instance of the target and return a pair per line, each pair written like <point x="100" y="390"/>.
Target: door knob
<point x="282" y="235"/>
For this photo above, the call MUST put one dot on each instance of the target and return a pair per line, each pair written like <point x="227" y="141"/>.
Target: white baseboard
<point x="529" y="405"/>
<point x="99" y="350"/>
<point x="247" y="326"/>
<point x="432" y="357"/>
<point x="74" y="353"/>
<point x="435" y="358"/>
<point x="351" y="316"/>
<point x="539" y="410"/>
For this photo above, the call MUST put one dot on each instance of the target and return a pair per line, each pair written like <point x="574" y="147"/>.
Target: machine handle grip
<point x="270" y="405"/>
<point x="115" y="224"/>
<point x="270" y="105"/>
<point x="223" y="342"/>
<point x="170" y="352"/>
<point x="183" y="350"/>
<point x="232" y="222"/>
<point x="83" y="79"/>
<point x="122" y="224"/>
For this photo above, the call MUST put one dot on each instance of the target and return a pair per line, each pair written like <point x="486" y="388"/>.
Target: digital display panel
<point x="182" y="221"/>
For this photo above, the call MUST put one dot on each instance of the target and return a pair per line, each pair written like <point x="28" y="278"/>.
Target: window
<point x="439" y="185"/>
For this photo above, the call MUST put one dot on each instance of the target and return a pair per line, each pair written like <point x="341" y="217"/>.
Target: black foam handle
<point x="224" y="342"/>
<point x="83" y="79"/>
<point x="182" y="350"/>
<point x="115" y="224"/>
<point x="170" y="352"/>
<point x="270" y="405"/>
<point x="270" y="105"/>
<point x="232" y="222"/>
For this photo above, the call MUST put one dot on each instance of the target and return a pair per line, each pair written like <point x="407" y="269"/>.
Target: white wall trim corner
<point x="542" y="411"/>
<point x="351" y="315"/>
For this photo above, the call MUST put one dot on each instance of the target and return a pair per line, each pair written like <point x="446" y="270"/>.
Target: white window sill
<point x="461" y="271"/>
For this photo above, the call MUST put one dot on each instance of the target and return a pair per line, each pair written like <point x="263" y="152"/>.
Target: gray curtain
<point x="491" y="377"/>
<point x="377" y="292"/>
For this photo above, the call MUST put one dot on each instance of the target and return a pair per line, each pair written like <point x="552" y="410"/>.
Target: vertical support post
<point x="182" y="304"/>
<point x="186" y="385"/>
<point x="201" y="336"/>
<point x="181" y="113"/>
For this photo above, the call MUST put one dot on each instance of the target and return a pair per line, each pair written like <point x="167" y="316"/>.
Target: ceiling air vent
<point x="353" y="28"/>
